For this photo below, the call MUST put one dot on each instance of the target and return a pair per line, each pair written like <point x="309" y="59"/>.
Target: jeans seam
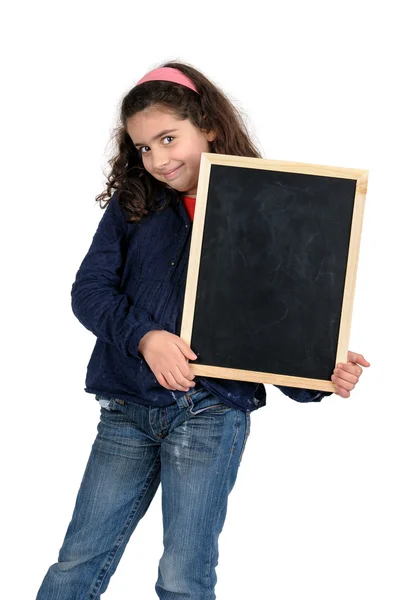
<point x="247" y="424"/>
<point x="120" y="538"/>
<point x="225" y="474"/>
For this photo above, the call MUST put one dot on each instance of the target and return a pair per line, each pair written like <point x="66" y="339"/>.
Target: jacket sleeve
<point x="97" y="301"/>
<point x="303" y="395"/>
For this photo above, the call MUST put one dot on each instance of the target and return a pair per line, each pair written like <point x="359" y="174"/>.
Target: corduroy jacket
<point x="132" y="280"/>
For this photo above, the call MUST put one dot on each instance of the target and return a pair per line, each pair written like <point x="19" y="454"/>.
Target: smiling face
<point x="170" y="147"/>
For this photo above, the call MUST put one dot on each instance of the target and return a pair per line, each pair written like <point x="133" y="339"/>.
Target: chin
<point x="171" y="187"/>
<point x="179" y="188"/>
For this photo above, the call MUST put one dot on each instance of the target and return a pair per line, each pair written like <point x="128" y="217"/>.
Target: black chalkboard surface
<point x="272" y="270"/>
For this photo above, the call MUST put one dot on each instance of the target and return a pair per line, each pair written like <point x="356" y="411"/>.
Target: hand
<point x="167" y="356"/>
<point x="346" y="375"/>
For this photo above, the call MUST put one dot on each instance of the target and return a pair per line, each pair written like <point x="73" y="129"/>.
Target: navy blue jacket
<point x="132" y="280"/>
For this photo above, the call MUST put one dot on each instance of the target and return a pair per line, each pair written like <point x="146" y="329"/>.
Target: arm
<point x="345" y="377"/>
<point x="303" y="395"/>
<point x="96" y="298"/>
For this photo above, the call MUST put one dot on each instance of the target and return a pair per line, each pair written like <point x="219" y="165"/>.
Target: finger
<point x="184" y="380"/>
<point x="182" y="362"/>
<point x="346" y="374"/>
<point x="180" y="379"/>
<point x="171" y="380"/>
<point x="163" y="382"/>
<point x="186" y="370"/>
<point x="349" y="368"/>
<point x="184" y="348"/>
<point x="341" y="392"/>
<point x="357" y="358"/>
<point x="342" y="383"/>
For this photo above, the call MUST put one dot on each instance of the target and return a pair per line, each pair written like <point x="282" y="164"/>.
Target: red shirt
<point x="189" y="204"/>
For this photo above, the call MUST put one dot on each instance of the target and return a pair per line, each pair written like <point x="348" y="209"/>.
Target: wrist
<point x="144" y="340"/>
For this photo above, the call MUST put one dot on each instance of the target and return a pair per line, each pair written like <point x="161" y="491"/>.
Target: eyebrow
<point x="157" y="136"/>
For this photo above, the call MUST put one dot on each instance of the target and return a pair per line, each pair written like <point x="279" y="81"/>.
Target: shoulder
<point x="115" y="211"/>
<point x="113" y="223"/>
<point x="163" y="199"/>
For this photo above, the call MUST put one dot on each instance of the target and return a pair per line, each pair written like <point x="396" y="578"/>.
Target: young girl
<point x="158" y="422"/>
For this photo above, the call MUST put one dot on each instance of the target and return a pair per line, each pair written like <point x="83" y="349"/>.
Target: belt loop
<point x="183" y="401"/>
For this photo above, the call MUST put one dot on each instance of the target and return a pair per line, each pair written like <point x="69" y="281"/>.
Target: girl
<point x="158" y="422"/>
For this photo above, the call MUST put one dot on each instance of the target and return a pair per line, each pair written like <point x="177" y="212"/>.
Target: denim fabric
<point x="131" y="281"/>
<point x="194" y="448"/>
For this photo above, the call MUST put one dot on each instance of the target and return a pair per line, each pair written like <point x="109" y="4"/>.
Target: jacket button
<point x="172" y="264"/>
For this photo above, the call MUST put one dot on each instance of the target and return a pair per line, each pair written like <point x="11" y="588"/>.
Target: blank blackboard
<point x="272" y="268"/>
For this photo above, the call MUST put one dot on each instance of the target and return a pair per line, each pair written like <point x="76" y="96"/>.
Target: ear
<point x="211" y="136"/>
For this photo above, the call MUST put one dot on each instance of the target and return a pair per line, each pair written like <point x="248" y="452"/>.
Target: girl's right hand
<point x="167" y="356"/>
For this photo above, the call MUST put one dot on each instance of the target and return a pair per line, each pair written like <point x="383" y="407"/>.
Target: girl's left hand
<point x="346" y="375"/>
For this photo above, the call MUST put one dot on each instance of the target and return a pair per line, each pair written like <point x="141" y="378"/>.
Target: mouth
<point x="171" y="174"/>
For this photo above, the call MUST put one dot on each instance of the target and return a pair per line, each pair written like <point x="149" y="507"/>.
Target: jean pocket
<point x="110" y="404"/>
<point x="210" y="404"/>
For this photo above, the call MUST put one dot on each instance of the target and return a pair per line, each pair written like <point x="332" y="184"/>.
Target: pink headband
<point x="169" y="74"/>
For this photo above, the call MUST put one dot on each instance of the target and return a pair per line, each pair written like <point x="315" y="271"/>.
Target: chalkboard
<point x="272" y="269"/>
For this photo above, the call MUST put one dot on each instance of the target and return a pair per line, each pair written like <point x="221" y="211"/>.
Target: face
<point x="170" y="148"/>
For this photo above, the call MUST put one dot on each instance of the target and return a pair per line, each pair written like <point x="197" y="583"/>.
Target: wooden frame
<point x="207" y="161"/>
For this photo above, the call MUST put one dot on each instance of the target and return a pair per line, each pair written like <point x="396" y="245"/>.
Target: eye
<point x="166" y="137"/>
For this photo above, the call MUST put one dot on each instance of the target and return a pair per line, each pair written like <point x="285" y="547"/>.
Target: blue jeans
<point x="194" y="448"/>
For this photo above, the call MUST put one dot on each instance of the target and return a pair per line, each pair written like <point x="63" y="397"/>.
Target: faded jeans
<point x="194" y="448"/>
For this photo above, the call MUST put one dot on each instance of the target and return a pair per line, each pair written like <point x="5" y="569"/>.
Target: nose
<point x="160" y="159"/>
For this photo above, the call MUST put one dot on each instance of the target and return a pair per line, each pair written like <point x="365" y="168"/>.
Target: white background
<point x="313" y="513"/>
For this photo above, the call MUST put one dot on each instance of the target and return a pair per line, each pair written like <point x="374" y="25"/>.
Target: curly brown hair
<point x="208" y="110"/>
